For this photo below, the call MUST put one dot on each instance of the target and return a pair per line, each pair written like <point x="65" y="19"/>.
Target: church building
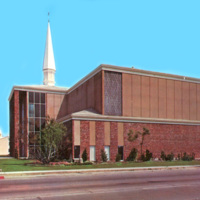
<point x="101" y="108"/>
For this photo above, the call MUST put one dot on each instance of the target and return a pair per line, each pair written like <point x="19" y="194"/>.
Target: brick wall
<point x="85" y="137"/>
<point x="99" y="127"/>
<point x="163" y="137"/>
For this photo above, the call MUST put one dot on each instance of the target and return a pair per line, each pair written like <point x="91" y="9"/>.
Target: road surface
<point x="148" y="185"/>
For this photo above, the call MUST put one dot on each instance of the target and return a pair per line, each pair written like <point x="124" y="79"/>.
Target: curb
<point x="56" y="172"/>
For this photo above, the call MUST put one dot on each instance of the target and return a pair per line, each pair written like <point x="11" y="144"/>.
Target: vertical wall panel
<point x="186" y="100"/>
<point x="107" y="133"/>
<point x="193" y="101"/>
<point x="50" y="105"/>
<point x="145" y="96"/>
<point x="178" y="100"/>
<point x="120" y="134"/>
<point x="198" y="101"/>
<point x="136" y="96"/>
<point x="126" y="84"/>
<point x="112" y="93"/>
<point x="154" y="97"/>
<point x="162" y="98"/>
<point x="170" y="99"/>
<point x="76" y="132"/>
<point x="92" y="133"/>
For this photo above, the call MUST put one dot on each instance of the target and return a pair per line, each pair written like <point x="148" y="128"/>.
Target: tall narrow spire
<point x="49" y="67"/>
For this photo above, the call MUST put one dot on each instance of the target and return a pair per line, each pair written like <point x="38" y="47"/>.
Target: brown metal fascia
<point x="103" y="92"/>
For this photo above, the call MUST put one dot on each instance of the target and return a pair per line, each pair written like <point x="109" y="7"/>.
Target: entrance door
<point x="92" y="153"/>
<point x="107" y="151"/>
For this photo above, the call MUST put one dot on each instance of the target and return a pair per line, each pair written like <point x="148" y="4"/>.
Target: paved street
<point x="152" y="185"/>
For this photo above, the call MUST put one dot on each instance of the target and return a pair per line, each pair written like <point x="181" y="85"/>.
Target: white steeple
<point x="49" y="67"/>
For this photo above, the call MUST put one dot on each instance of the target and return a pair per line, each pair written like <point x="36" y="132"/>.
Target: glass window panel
<point x="42" y="110"/>
<point x="31" y="138"/>
<point x="31" y="97"/>
<point x="42" y="123"/>
<point x="37" y="124"/>
<point x="37" y="110"/>
<point x="37" y="97"/>
<point x="42" y="97"/>
<point x="76" y="151"/>
<point x="37" y="138"/>
<point x="31" y="110"/>
<point x="31" y="151"/>
<point x="121" y="152"/>
<point x="31" y="124"/>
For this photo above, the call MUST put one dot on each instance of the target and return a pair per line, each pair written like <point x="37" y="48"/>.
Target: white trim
<point x="33" y="90"/>
<point x="150" y="75"/>
<point x="130" y="121"/>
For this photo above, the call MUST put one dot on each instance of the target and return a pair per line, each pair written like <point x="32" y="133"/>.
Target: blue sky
<point x="154" y="35"/>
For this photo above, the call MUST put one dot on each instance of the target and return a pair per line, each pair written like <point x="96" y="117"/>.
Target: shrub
<point x="169" y="157"/>
<point x="118" y="157"/>
<point x="84" y="155"/>
<point x="133" y="154"/>
<point x="163" y="156"/>
<point x="147" y="157"/>
<point x="103" y="156"/>
<point x="187" y="157"/>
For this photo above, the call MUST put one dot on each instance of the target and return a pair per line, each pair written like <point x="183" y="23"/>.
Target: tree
<point x="84" y="155"/>
<point x="132" y="137"/>
<point x="50" y="141"/>
<point x="104" y="157"/>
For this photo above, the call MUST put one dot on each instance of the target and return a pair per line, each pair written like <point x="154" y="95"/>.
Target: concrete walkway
<point x="56" y="172"/>
<point x="5" y="157"/>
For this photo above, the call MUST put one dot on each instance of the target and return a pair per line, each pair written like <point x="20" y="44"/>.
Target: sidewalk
<point x="54" y="172"/>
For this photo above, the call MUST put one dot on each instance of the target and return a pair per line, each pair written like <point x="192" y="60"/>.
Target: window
<point x="121" y="152"/>
<point x="31" y="110"/>
<point x="76" y="151"/>
<point x="36" y="115"/>
<point x="92" y="153"/>
<point x="107" y="151"/>
<point x="31" y="97"/>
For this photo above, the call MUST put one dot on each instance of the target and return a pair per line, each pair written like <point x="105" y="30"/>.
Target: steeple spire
<point x="49" y="67"/>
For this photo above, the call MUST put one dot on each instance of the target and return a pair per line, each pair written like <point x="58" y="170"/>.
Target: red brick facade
<point x="163" y="137"/>
<point x="85" y="137"/>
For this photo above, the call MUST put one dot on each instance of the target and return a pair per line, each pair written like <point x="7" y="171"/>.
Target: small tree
<point x="132" y="137"/>
<point x="143" y="134"/>
<point x="84" y="155"/>
<point x="50" y="141"/>
<point x="104" y="157"/>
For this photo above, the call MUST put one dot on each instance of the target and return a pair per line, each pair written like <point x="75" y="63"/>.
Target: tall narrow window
<point x="92" y="153"/>
<point x="76" y="151"/>
<point x="121" y="152"/>
<point x="36" y="116"/>
<point x="107" y="151"/>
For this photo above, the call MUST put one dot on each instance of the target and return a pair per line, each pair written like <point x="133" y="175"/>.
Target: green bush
<point x="84" y="155"/>
<point x="133" y="155"/>
<point x="187" y="157"/>
<point x="162" y="155"/>
<point x="147" y="157"/>
<point x="118" y="157"/>
<point x="103" y="156"/>
<point x="168" y="157"/>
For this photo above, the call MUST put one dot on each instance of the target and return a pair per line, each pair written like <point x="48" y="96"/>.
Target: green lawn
<point x="9" y="165"/>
